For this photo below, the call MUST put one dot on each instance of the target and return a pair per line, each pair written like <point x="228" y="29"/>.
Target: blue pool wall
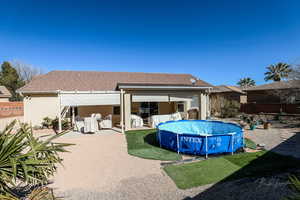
<point x="190" y="136"/>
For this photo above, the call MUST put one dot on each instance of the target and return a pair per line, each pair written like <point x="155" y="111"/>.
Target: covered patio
<point x="128" y="100"/>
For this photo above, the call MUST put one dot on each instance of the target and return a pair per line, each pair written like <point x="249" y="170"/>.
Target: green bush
<point x="53" y="123"/>
<point x="47" y="122"/>
<point x="65" y="124"/>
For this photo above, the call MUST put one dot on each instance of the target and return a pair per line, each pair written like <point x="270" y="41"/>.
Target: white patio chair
<point x="106" y="122"/>
<point x="136" y="121"/>
<point x="79" y="124"/>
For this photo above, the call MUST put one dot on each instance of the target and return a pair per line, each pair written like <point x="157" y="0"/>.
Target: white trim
<point x="161" y="87"/>
<point x="90" y="92"/>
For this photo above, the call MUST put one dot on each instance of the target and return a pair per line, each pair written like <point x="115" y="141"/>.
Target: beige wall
<point x="166" y="108"/>
<point x="4" y="99"/>
<point x="37" y="107"/>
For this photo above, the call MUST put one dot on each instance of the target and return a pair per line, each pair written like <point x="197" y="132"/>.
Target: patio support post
<point x="208" y="104"/>
<point x="73" y="116"/>
<point x="202" y="106"/>
<point x="59" y="114"/>
<point x="127" y="111"/>
<point x="122" y="109"/>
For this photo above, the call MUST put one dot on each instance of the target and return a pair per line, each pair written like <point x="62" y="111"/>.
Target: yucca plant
<point x="25" y="159"/>
<point x="295" y="186"/>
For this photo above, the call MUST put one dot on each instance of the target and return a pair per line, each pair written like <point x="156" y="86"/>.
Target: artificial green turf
<point x="143" y="144"/>
<point x="230" y="167"/>
<point x="250" y="144"/>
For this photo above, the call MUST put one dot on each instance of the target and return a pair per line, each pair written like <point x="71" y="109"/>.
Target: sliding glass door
<point x="148" y="108"/>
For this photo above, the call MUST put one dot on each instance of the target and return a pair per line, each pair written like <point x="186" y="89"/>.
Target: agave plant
<point x="295" y="186"/>
<point x="277" y="72"/>
<point x="26" y="159"/>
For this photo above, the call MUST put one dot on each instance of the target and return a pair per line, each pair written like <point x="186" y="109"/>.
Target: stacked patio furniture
<point x="136" y="121"/>
<point x="157" y="119"/>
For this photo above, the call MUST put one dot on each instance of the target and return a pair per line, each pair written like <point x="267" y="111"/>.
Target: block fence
<point x="11" y="109"/>
<point x="253" y="108"/>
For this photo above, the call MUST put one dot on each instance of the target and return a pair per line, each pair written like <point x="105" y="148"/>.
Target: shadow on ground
<point x="269" y="185"/>
<point x="151" y="139"/>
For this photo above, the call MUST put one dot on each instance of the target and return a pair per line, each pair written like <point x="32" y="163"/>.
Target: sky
<point x="219" y="41"/>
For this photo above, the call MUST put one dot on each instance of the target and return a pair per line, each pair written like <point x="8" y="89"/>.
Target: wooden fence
<point x="253" y="108"/>
<point x="11" y="109"/>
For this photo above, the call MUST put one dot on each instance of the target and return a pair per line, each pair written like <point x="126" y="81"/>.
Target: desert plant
<point x="26" y="159"/>
<point x="42" y="193"/>
<point x="230" y="108"/>
<point x="47" y="122"/>
<point x="223" y="107"/>
<point x="295" y="186"/>
<point x="278" y="72"/>
<point x="251" y="120"/>
<point x="65" y="124"/>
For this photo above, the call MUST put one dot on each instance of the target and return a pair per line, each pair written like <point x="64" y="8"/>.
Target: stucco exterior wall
<point x="166" y="108"/>
<point x="37" y="107"/>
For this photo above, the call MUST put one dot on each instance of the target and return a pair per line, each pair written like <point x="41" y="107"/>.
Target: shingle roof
<point x="292" y="84"/>
<point x="102" y="81"/>
<point x="226" y="88"/>
<point x="4" y="92"/>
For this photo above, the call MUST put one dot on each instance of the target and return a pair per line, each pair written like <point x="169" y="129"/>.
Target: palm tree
<point x="278" y="72"/>
<point x="246" y="82"/>
<point x="26" y="159"/>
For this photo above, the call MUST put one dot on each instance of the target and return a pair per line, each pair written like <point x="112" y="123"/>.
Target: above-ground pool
<point x="200" y="137"/>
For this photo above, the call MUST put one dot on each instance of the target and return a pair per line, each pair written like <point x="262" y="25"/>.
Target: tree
<point x="10" y="79"/>
<point x="246" y="82"/>
<point x="25" y="71"/>
<point x="295" y="74"/>
<point x="26" y="162"/>
<point x="278" y="72"/>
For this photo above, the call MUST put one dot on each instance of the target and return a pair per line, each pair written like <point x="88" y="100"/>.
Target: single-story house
<point x="4" y="94"/>
<point x="230" y="93"/>
<point x="274" y="93"/>
<point x="119" y="94"/>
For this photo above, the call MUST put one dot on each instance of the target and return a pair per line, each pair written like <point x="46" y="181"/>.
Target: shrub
<point x="65" y="124"/>
<point x="53" y="123"/>
<point x="47" y="122"/>
<point x="26" y="159"/>
<point x="295" y="186"/>
<point x="224" y="107"/>
<point x="230" y="108"/>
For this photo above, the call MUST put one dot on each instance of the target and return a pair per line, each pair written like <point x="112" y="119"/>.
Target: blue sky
<point x="219" y="41"/>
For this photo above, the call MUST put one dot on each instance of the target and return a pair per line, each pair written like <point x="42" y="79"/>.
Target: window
<point x="180" y="107"/>
<point x="116" y="110"/>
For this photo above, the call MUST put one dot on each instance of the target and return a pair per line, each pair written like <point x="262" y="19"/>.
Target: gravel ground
<point x="99" y="167"/>
<point x="285" y="141"/>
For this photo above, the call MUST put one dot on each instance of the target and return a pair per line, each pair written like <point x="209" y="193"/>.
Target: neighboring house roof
<point x="226" y="88"/>
<point x="104" y="81"/>
<point x="292" y="84"/>
<point x="4" y="92"/>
